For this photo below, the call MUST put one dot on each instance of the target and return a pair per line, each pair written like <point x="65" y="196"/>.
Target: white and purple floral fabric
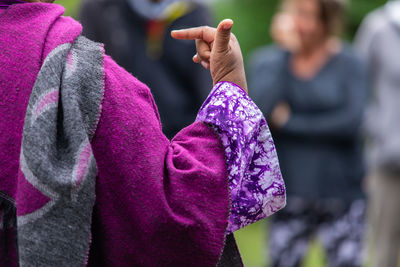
<point x="255" y="179"/>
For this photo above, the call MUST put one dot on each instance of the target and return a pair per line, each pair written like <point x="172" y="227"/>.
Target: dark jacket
<point x="178" y="85"/>
<point x="319" y="148"/>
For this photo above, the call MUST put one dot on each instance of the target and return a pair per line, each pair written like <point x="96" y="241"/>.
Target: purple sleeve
<point x="255" y="180"/>
<point x="158" y="202"/>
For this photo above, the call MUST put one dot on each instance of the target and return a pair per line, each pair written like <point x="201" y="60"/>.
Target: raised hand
<point x="217" y="50"/>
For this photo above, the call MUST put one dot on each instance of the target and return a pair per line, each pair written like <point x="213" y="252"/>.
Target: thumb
<point x="223" y="35"/>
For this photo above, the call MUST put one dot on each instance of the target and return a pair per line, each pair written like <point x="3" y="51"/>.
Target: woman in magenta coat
<point x="87" y="176"/>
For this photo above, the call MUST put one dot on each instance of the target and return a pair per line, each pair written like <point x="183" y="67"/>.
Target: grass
<point x="252" y="242"/>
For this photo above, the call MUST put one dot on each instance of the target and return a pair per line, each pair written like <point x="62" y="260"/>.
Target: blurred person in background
<point x="378" y="41"/>
<point x="135" y="34"/>
<point x="313" y="89"/>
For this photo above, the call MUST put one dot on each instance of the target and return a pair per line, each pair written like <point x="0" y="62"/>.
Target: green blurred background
<point x="252" y="19"/>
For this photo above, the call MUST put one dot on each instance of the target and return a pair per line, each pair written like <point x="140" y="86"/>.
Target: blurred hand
<point x="217" y="50"/>
<point x="284" y="33"/>
<point x="280" y="115"/>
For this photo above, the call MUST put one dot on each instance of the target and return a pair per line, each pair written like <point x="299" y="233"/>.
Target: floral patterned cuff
<point x="255" y="179"/>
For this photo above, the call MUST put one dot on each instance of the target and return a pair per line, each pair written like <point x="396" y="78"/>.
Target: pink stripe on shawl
<point x="47" y="100"/>
<point x="83" y="163"/>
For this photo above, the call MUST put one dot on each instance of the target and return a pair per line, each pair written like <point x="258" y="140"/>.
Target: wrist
<point x="236" y="77"/>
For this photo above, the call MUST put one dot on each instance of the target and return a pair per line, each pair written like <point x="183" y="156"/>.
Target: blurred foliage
<point x="71" y="6"/>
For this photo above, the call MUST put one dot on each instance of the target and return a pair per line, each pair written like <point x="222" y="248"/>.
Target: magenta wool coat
<point x="158" y="202"/>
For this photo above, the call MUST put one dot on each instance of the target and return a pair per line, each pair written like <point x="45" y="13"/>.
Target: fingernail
<point x="228" y="26"/>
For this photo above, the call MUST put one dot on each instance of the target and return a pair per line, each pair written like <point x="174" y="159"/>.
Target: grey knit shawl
<point x="56" y="156"/>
